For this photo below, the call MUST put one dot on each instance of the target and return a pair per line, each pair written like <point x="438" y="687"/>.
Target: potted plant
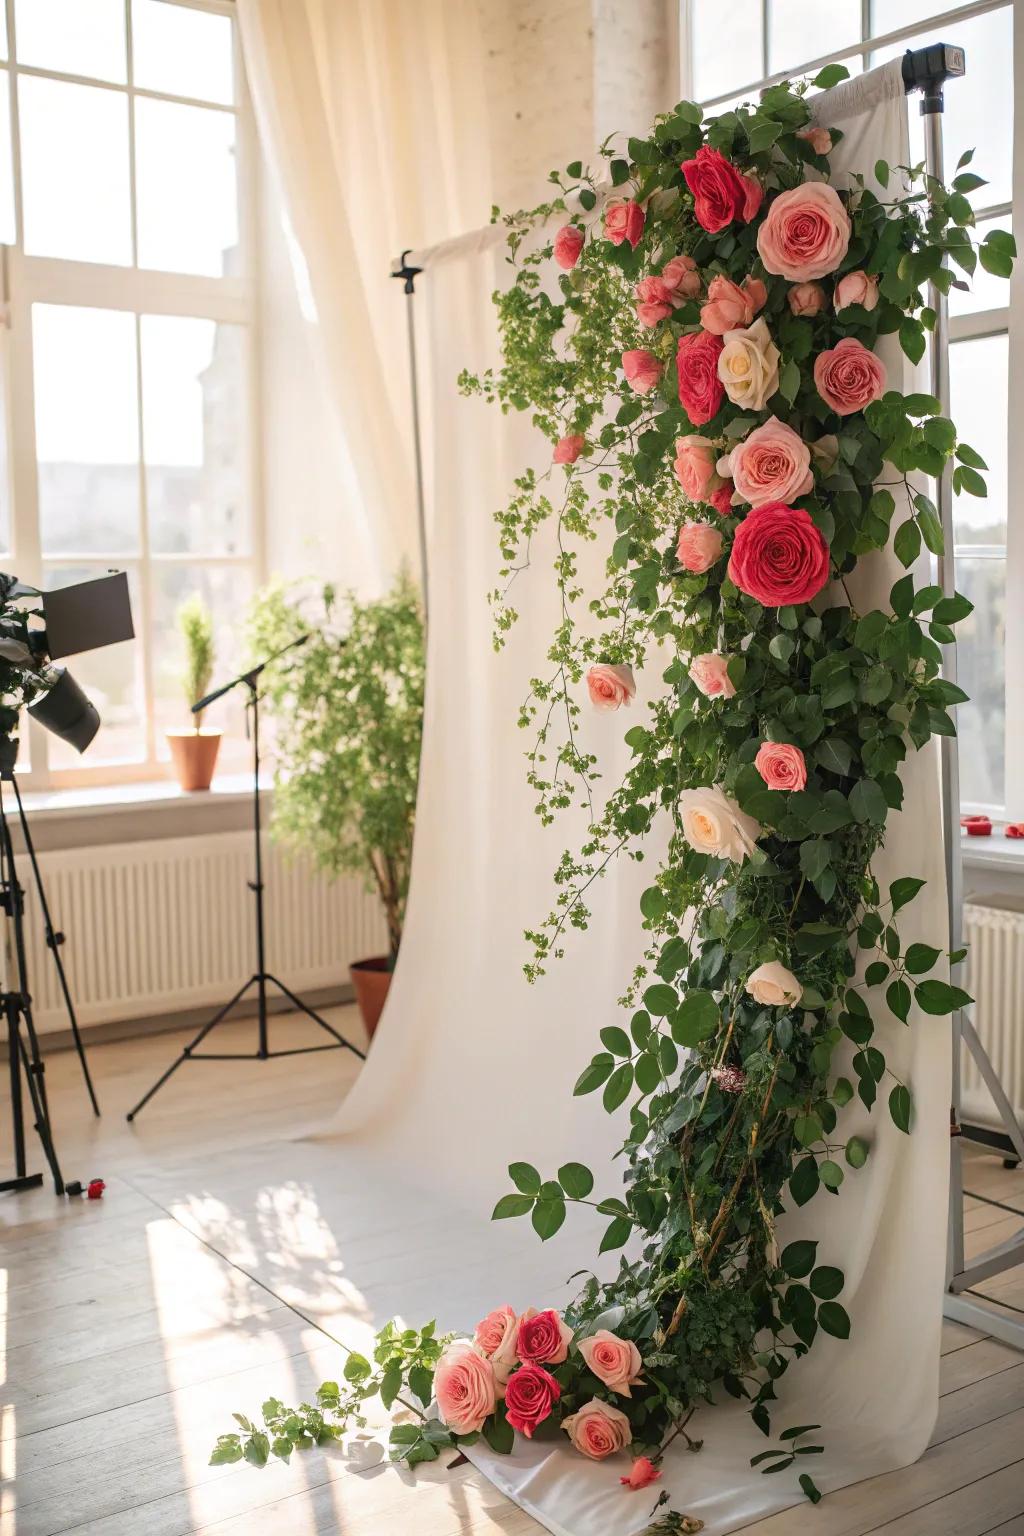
<point x="194" y="751"/>
<point x="347" y="713"/>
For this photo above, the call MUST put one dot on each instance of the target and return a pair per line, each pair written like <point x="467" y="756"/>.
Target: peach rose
<point x="713" y="823"/>
<point x="698" y="547"/>
<point x="806" y="299"/>
<point x="749" y="366"/>
<point x="615" y="1362"/>
<point x="805" y="234"/>
<point x="598" y="1430"/>
<point x="681" y="276"/>
<point x="464" y="1387"/>
<point x="856" y="288"/>
<point x="496" y="1337"/>
<point x="654" y="301"/>
<point x="849" y="377"/>
<point x="695" y="466"/>
<point x="773" y="986"/>
<point x="819" y="139"/>
<point x="610" y="687"/>
<point x="642" y="370"/>
<point x="781" y="765"/>
<point x="642" y="1473"/>
<point x="568" y="449"/>
<point x="567" y="246"/>
<point x="710" y="676"/>
<point x="730" y="305"/>
<point x="542" y="1338"/>
<point x="772" y="464"/>
<point x="624" y="221"/>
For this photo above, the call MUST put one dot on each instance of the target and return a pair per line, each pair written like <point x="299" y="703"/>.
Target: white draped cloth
<point x="472" y="1067"/>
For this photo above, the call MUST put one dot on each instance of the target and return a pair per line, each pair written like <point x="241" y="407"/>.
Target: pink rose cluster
<point x="657" y="297"/>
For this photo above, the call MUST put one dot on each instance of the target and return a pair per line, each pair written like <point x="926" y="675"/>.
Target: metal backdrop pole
<point x="927" y="69"/>
<point x="409" y="275"/>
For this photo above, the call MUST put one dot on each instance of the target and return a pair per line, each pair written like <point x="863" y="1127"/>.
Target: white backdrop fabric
<point x="472" y="1068"/>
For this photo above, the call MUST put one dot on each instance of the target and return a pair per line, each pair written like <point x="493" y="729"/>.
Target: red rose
<point x="530" y="1396"/>
<point x="542" y="1337"/>
<point x="623" y="221"/>
<point x="778" y="556"/>
<point x="721" y="499"/>
<point x="701" y="391"/>
<point x="720" y="192"/>
<point x="568" y="244"/>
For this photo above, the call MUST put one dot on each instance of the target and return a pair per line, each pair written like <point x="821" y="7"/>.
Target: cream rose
<point x="713" y="823"/>
<point x="748" y="366"/>
<point x="856" y="288"/>
<point x="773" y="986"/>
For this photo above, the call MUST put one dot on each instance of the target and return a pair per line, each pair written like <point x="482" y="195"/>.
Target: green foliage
<point x="195" y="625"/>
<point x="347" y="708"/>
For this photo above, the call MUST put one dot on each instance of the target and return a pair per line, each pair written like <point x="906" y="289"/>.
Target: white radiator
<point x="995" y="979"/>
<point x="156" y="927"/>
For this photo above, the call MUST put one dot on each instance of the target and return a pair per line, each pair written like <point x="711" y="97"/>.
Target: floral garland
<point x="709" y="381"/>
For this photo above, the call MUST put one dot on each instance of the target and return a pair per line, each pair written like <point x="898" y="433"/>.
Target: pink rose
<point x="493" y="1330"/>
<point x="624" y="221"/>
<point x="699" y="546"/>
<point x="543" y="1339"/>
<point x="849" y="377"/>
<point x="654" y="301"/>
<point x="530" y="1396"/>
<point x="598" y="1429"/>
<point x="642" y="1473"/>
<point x="695" y="466"/>
<point x="568" y="449"/>
<point x="464" y="1387"/>
<point x="681" y="276"/>
<point x="819" y="139"/>
<point x="731" y="306"/>
<point x="721" y="499"/>
<point x="772" y="464"/>
<point x="806" y="299"/>
<point x="720" y="192"/>
<point x="609" y="687"/>
<point x="642" y="370"/>
<point x="779" y="556"/>
<point x="781" y="766"/>
<point x="806" y="233"/>
<point x="568" y="245"/>
<point x="710" y="675"/>
<point x="614" y="1361"/>
<point x="856" y="288"/>
<point x="700" y="389"/>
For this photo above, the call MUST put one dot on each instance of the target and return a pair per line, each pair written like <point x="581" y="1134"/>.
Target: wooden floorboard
<point x="128" y="1340"/>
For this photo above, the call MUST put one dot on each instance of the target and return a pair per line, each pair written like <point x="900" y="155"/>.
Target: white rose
<point x="774" y="986"/>
<point x="713" y="823"/>
<point x="748" y="366"/>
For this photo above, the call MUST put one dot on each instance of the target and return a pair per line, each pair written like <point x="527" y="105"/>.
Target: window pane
<point x="799" y="30"/>
<point x="981" y="724"/>
<point x="182" y="51"/>
<point x="186" y="188"/>
<point x="726" y="46"/>
<point x="112" y="677"/>
<point x="979" y="108"/>
<point x="3" y="31"/>
<point x="890" y="15"/>
<point x="978" y="405"/>
<point x="195" y="435"/>
<point x="227" y="590"/>
<point x="74" y="155"/>
<point x="86" y="429"/>
<point x="74" y="37"/>
<point x="7" y="225"/>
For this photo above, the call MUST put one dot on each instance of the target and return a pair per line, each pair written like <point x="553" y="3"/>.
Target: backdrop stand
<point x="927" y="70"/>
<point x="401" y="269"/>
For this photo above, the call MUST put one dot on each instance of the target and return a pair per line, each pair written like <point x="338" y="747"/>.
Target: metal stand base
<point x="30" y="1181"/>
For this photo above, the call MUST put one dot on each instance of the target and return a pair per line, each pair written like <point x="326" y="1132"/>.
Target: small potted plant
<point x="194" y="751"/>
<point x="347" y="712"/>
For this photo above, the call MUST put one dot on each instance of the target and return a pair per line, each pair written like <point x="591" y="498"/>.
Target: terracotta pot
<point x="371" y="979"/>
<point x="194" y="755"/>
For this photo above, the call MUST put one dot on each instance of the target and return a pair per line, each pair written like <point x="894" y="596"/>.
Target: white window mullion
<point x="1015" y="510"/>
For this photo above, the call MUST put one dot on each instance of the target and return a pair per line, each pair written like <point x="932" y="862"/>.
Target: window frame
<point x="28" y="280"/>
<point x="1005" y="320"/>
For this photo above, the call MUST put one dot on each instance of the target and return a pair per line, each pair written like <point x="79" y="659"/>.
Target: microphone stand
<point x="261" y="978"/>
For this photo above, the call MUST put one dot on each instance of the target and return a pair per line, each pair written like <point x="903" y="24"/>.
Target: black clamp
<point x="407" y="274"/>
<point x="927" y="70"/>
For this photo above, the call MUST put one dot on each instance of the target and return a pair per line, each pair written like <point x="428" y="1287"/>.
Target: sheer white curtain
<point x="370" y="114"/>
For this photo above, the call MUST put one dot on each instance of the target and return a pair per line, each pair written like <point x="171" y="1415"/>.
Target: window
<point x="733" y="47"/>
<point x="126" y="160"/>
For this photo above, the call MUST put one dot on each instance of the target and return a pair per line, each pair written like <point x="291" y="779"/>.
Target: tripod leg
<point x="188" y="1049"/>
<point x="311" y="1013"/>
<point x="37" y="1093"/>
<point x="17" y="1109"/>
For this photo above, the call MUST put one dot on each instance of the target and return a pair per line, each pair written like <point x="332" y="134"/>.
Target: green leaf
<point x="810" y="1490"/>
<point x="227" y="1450"/>
<point x="882" y="172"/>
<point x="903" y="891"/>
<point x="826" y="1283"/>
<point x="834" y="754"/>
<point x="421" y="1381"/>
<point x="994" y="260"/>
<point x="912" y="339"/>
<point x="498" y="1432"/>
<point x="834" y="1320"/>
<point x="592" y="1077"/>
<point x="618" y="1086"/>
<point x="899" y="1107"/>
<point x="807" y="1130"/>
<point x="897" y="995"/>
<point x="512" y="1205"/>
<point x="970" y="481"/>
<point x="548" y="1216"/>
<point x="797" y="1259"/>
<point x="938" y="998"/>
<point x="789" y="381"/>
<point x="868" y="803"/>
<point x="830" y="1174"/>
<point x="920" y="958"/>
<point x="576" y="1179"/>
<point x="616" y="1234"/>
<point x="616" y="1040"/>
<point x="525" y="1178"/>
<point x="660" y="999"/>
<point x="804" y="1180"/>
<point x="842" y="1091"/>
<point x="697" y="1020"/>
<point x="829" y="76"/>
<point x="856" y="1152"/>
<point x="257" y="1449"/>
<point x="907" y="543"/>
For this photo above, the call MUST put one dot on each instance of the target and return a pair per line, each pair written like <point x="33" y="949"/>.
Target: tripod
<point x="261" y="978"/>
<point x="16" y="1003"/>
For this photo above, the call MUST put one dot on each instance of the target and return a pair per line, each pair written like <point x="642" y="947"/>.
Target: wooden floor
<point x="126" y="1341"/>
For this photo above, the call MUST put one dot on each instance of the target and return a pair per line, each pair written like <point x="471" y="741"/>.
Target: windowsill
<point x="993" y="852"/>
<point x="159" y="794"/>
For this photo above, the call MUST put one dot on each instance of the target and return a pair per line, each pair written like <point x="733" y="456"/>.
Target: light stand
<point x="261" y="978"/>
<point x="927" y="69"/>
